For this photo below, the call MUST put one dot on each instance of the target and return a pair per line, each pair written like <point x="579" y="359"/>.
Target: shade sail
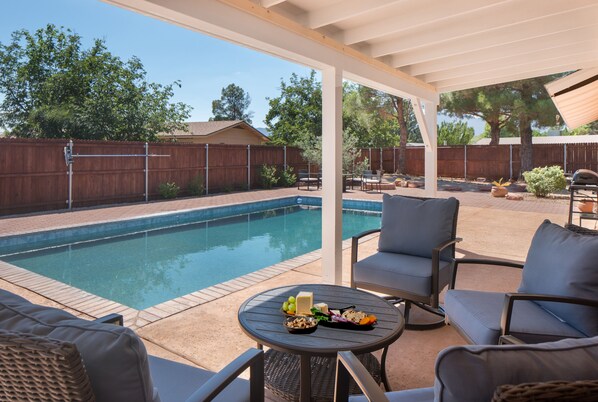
<point x="576" y="97"/>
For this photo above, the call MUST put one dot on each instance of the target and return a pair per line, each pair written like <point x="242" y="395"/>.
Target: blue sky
<point x="204" y="65"/>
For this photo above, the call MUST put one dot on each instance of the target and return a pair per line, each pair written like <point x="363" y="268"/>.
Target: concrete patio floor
<point x="209" y="335"/>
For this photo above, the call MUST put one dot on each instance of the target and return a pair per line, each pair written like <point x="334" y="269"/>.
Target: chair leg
<point x="406" y="314"/>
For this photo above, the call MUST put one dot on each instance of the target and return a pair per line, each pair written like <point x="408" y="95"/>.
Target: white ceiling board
<point x="450" y="45"/>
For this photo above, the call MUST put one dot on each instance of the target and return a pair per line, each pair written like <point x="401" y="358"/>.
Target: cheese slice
<point x="323" y="307"/>
<point x="304" y="301"/>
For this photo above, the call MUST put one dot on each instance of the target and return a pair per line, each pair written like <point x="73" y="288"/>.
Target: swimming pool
<point x="142" y="268"/>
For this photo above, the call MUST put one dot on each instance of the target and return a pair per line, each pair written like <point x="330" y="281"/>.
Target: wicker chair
<point x="565" y="370"/>
<point x="35" y="368"/>
<point x="41" y="369"/>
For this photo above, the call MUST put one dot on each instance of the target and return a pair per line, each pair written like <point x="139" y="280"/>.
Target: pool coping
<point x="96" y="306"/>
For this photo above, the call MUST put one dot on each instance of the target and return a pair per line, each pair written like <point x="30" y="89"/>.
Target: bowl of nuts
<point x="300" y="324"/>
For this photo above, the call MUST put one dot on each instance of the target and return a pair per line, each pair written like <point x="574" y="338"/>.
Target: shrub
<point x="268" y="176"/>
<point x="546" y="180"/>
<point x="287" y="177"/>
<point x="168" y="190"/>
<point x="196" y="186"/>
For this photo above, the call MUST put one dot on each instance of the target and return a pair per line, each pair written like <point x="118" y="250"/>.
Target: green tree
<point x="232" y="105"/>
<point x="532" y="106"/>
<point x="493" y="103"/>
<point x="391" y="119"/>
<point x="54" y="88"/>
<point x="296" y="115"/>
<point x="458" y="133"/>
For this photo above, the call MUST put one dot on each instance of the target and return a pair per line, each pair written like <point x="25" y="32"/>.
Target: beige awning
<point x="576" y="97"/>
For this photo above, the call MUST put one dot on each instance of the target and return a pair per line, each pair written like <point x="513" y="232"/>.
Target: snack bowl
<point x="300" y="324"/>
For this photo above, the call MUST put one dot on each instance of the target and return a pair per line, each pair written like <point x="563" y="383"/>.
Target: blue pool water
<point x="149" y="267"/>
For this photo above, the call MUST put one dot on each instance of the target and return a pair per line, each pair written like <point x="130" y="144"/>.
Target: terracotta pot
<point x="586" y="206"/>
<point x="498" y="191"/>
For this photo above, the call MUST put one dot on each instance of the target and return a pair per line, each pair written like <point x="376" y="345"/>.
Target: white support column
<point x="426" y="114"/>
<point x="332" y="196"/>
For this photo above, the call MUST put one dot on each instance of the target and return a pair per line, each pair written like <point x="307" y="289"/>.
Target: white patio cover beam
<point x="426" y="115"/>
<point x="251" y="25"/>
<point x="332" y="195"/>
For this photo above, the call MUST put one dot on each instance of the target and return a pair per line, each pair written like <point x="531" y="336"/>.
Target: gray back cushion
<point x="560" y="262"/>
<point x="114" y="357"/>
<point x="413" y="226"/>
<point x="471" y="373"/>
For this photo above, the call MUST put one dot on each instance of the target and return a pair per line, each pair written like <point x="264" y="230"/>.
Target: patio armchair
<point x="566" y="369"/>
<point x="48" y="354"/>
<point x="304" y="178"/>
<point x="372" y="180"/>
<point x="557" y="297"/>
<point x="416" y="250"/>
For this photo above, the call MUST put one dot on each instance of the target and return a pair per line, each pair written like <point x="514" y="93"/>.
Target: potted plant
<point x="499" y="188"/>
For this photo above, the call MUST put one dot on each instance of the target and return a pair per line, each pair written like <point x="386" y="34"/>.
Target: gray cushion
<point x="477" y="316"/>
<point x="560" y="262"/>
<point x="176" y="382"/>
<point x="471" y="373"/>
<point x="415" y="227"/>
<point x="114" y="357"/>
<point x="400" y="271"/>
<point x="409" y="395"/>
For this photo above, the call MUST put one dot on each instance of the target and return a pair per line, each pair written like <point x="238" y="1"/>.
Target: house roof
<point x="555" y="139"/>
<point x="208" y="128"/>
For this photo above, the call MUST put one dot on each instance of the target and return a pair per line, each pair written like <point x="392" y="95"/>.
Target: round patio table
<point x="261" y="319"/>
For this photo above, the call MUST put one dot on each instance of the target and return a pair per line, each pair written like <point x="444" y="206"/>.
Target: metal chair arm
<point x="347" y="365"/>
<point x="480" y="261"/>
<point x="355" y="243"/>
<point x="116" y="319"/>
<point x="252" y="358"/>
<point x="511" y="298"/>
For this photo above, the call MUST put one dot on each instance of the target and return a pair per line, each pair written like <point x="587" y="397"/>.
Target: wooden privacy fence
<point x="37" y="175"/>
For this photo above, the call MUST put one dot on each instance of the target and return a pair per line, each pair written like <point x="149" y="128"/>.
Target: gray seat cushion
<point x="415" y="227"/>
<point x="114" y="357"/>
<point x="560" y="262"/>
<point x="176" y="382"/>
<point x="477" y="316"/>
<point x="472" y="373"/>
<point x="409" y="395"/>
<point x="400" y="271"/>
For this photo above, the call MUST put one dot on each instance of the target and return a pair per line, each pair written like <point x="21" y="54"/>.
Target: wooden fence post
<point x="465" y="162"/>
<point x="70" y="173"/>
<point x="565" y="158"/>
<point x="511" y="161"/>
<point x="146" y="171"/>
<point x="248" y="167"/>
<point x="207" y="176"/>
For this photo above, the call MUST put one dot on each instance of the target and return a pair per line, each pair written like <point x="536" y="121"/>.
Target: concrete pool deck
<point x="208" y="334"/>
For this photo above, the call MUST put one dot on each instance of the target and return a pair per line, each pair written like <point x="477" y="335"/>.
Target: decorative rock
<point x="413" y="184"/>
<point x="514" y="197"/>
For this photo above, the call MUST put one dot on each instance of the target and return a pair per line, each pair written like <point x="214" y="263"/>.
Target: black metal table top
<point x="261" y="319"/>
